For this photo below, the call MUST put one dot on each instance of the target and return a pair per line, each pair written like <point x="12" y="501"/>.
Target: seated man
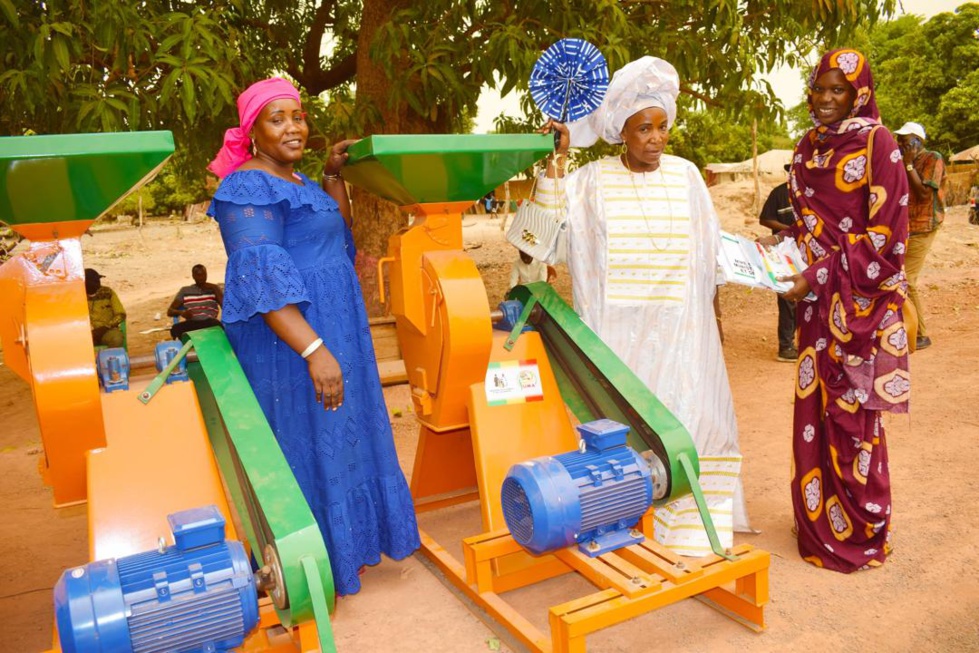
<point x="198" y="304"/>
<point x="105" y="311"/>
<point x="526" y="269"/>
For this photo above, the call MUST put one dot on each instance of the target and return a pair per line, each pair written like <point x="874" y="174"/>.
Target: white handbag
<point x="540" y="232"/>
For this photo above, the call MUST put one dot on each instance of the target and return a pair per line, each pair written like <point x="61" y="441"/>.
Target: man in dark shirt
<point x="777" y="215"/>
<point x="198" y="304"/>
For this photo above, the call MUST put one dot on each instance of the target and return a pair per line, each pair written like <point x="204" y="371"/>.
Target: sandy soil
<point x="925" y="598"/>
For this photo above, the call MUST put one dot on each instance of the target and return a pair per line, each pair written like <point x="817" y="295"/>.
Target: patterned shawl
<point x="850" y="195"/>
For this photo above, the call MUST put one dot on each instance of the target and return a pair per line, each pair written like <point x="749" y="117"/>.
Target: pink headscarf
<point x="253" y="99"/>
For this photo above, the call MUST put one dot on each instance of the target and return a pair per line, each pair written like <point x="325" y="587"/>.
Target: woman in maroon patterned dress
<point x="850" y="194"/>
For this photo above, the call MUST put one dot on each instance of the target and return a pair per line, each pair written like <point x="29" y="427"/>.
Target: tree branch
<point x="700" y="96"/>
<point x="317" y="80"/>
<point x="314" y="37"/>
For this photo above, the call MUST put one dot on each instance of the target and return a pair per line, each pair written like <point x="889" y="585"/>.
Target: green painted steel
<point x="69" y="177"/>
<point x="595" y="384"/>
<point x="146" y="396"/>
<point x="430" y="168"/>
<point x="267" y="498"/>
<point x="705" y="516"/>
<point x="324" y="629"/>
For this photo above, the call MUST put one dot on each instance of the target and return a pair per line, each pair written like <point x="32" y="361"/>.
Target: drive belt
<point x="279" y="526"/>
<point x="595" y="384"/>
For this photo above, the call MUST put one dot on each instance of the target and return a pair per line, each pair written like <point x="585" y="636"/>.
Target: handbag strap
<point x="533" y="186"/>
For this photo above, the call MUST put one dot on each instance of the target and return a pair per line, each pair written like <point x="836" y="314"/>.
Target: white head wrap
<point x="644" y="83"/>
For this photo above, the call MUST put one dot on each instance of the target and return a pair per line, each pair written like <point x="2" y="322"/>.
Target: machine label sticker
<point x="513" y="382"/>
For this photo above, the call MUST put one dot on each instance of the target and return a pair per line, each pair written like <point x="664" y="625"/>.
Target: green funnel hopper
<point x="56" y="186"/>
<point x="437" y="168"/>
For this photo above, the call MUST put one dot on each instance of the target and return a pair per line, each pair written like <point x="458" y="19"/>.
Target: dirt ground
<point x="925" y="598"/>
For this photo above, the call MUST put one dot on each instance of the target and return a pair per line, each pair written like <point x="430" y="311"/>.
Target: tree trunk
<point x="375" y="219"/>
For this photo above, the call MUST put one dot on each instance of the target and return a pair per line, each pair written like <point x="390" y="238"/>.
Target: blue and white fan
<point x="569" y="80"/>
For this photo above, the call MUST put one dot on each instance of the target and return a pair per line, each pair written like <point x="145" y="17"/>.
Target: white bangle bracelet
<point x="313" y="346"/>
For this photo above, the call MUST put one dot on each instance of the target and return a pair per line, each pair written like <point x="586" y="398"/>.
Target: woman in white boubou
<point x="643" y="240"/>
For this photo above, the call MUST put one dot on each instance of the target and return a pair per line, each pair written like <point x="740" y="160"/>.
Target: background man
<point x="105" y="311"/>
<point x="526" y="269"/>
<point x="777" y="215"/>
<point x="926" y="210"/>
<point x="197" y="304"/>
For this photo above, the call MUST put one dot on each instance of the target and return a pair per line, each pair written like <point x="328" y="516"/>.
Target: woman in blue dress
<point x="294" y="314"/>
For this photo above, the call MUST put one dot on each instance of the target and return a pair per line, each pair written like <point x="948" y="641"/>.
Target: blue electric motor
<point x="593" y="496"/>
<point x="198" y="595"/>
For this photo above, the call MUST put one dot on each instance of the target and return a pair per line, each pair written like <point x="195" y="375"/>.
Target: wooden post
<point x="756" y="204"/>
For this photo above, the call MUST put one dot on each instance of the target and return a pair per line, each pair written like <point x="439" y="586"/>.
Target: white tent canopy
<point x="970" y="155"/>
<point x="771" y="162"/>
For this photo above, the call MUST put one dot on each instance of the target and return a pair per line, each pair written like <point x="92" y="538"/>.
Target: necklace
<point x="641" y="203"/>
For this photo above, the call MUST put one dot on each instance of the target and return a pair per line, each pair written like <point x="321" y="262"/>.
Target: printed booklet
<point x="746" y="262"/>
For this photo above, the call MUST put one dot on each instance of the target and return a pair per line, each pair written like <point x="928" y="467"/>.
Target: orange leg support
<point x="444" y="473"/>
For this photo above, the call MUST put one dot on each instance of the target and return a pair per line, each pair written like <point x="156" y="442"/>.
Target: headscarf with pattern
<point x="857" y="71"/>
<point x="252" y="100"/>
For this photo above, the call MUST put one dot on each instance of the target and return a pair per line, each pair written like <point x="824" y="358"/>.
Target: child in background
<point x="526" y="269"/>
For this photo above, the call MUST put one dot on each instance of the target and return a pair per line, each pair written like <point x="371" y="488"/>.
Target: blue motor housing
<point x="198" y="595"/>
<point x="593" y="496"/>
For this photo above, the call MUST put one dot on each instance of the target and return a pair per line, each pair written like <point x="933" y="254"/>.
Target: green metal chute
<point x="435" y="168"/>
<point x="82" y="175"/>
<point x="594" y="384"/>
<point x="277" y="520"/>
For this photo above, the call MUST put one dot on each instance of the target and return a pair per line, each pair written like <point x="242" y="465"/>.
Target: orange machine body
<point x="47" y="342"/>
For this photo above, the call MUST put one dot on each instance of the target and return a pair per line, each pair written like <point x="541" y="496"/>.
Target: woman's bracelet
<point x="334" y="177"/>
<point x="313" y="346"/>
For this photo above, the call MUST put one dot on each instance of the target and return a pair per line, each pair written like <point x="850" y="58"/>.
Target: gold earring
<point x="254" y="147"/>
<point x="625" y="148"/>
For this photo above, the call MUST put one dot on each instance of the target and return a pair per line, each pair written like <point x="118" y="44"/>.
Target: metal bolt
<point x="593" y="546"/>
<point x="634" y="533"/>
<point x="680" y="564"/>
<point x="77" y="573"/>
<point x="161" y="545"/>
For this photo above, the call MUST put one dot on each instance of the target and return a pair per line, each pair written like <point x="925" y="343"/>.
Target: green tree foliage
<point x="79" y="66"/>
<point x="712" y="136"/>
<point x="388" y="66"/>
<point x="74" y="65"/>
<point x="927" y="72"/>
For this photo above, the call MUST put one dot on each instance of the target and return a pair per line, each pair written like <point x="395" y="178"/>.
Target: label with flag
<point x="513" y="382"/>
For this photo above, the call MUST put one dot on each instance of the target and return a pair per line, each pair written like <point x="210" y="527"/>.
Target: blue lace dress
<point x="288" y="244"/>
